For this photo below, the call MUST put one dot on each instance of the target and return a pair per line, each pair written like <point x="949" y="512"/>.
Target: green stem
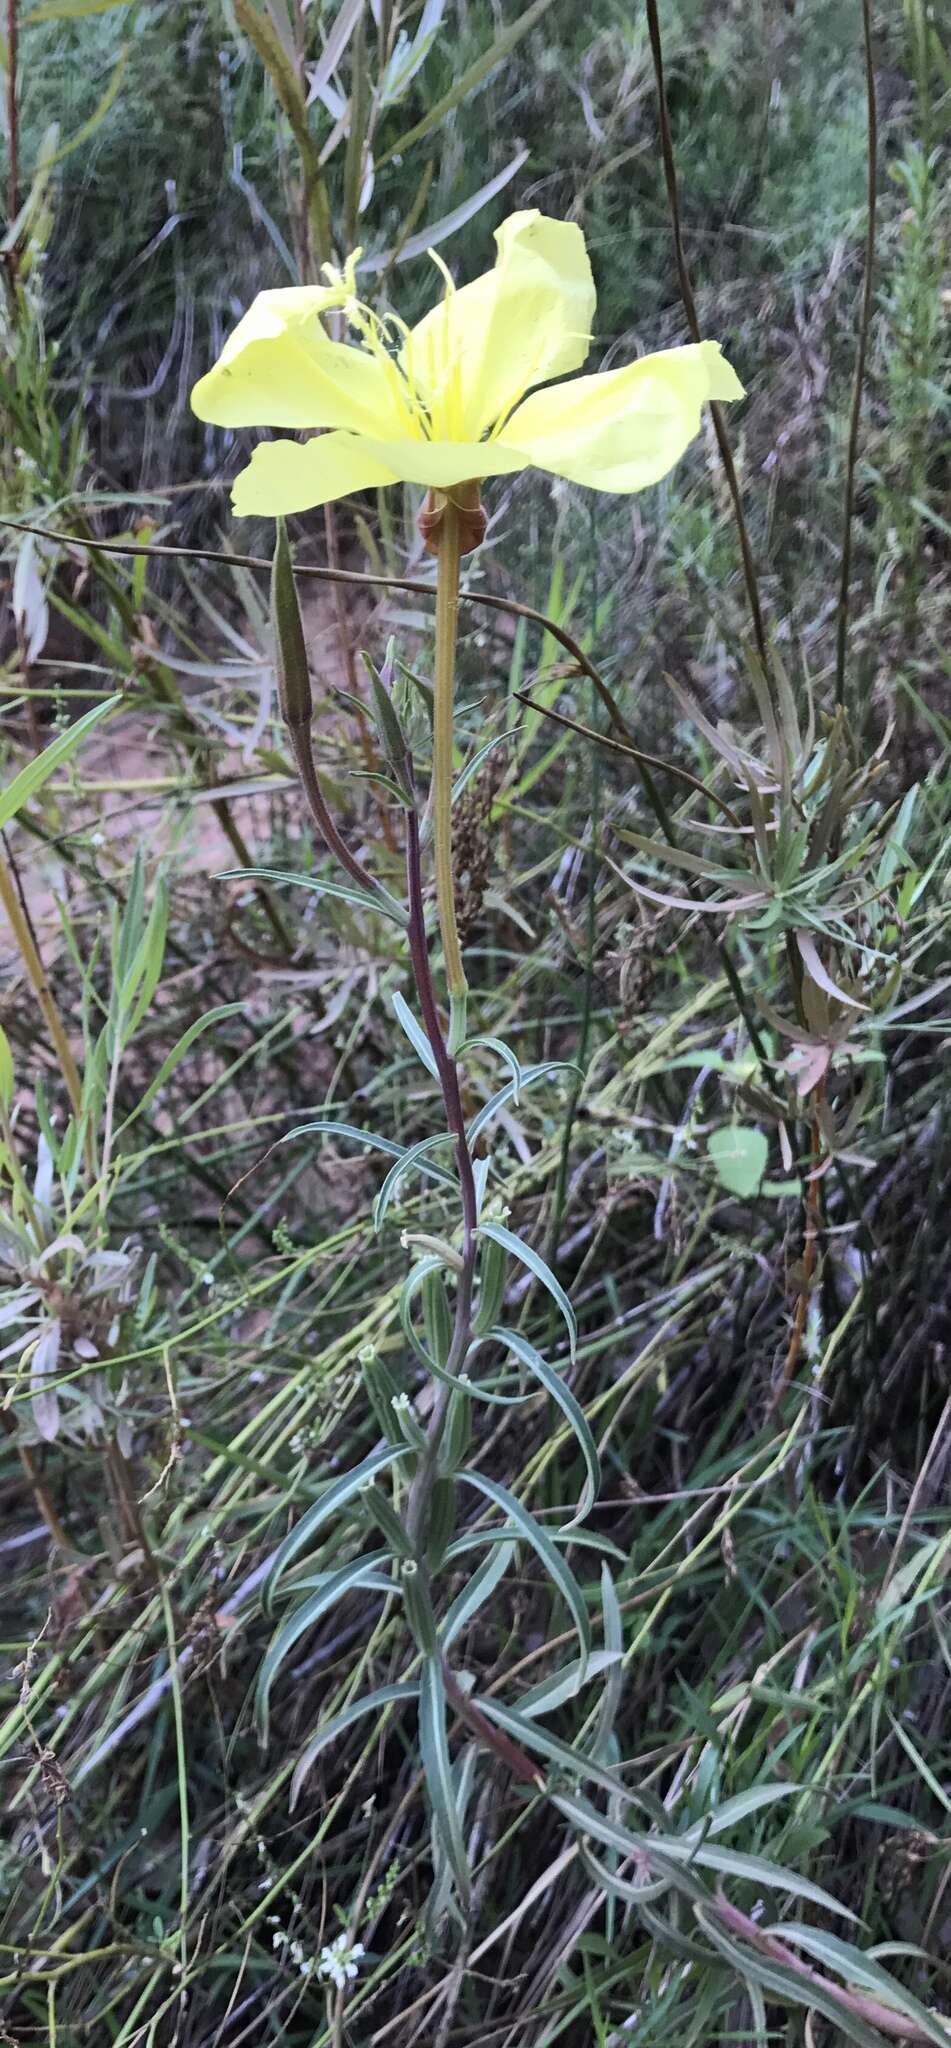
<point x="447" y="612"/>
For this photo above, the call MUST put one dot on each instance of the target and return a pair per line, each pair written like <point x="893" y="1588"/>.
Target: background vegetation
<point x="189" y="1280"/>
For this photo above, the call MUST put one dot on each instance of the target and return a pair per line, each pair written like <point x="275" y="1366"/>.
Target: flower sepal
<point x="468" y="504"/>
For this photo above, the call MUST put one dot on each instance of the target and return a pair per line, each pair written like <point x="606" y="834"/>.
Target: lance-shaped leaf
<point x="337" y="1494"/>
<point x="371" y="1703"/>
<point x="570" y="1408"/>
<point x="437" y="1765"/>
<point x="524" y="1524"/>
<point x="366" y="1572"/>
<point x="527" y="1256"/>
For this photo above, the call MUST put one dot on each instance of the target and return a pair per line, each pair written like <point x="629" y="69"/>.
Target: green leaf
<point x="469" y="81"/>
<point x="415" y="1156"/>
<point x="526" y="1078"/>
<point x="505" y="1053"/>
<point x="570" y="1408"/>
<point x="32" y="777"/>
<point x="740" y="1807"/>
<point x="6" y="1070"/>
<point x="434" y="1751"/>
<point x="568" y="1757"/>
<point x="739" y="1154"/>
<point x="566" y="1683"/>
<point x="632" y="1894"/>
<point x="613" y="1640"/>
<point x="480" y="1588"/>
<point x="784" y="1985"/>
<point x="101" y="109"/>
<point x="863" y="1970"/>
<point x="71" y="10"/>
<point x="361" y="1571"/>
<point x="472" y="767"/>
<point x="347" y="891"/>
<point x="336" y="1496"/>
<point x="536" y="1265"/>
<point x="177" y="1054"/>
<point x="524" y="1524"/>
<point x="694" y="1851"/>
<point x="414" y="1032"/>
<point x="331" y="1127"/>
<point x="371" y="1703"/>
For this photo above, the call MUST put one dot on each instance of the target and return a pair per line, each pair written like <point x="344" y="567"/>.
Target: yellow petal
<point x="477" y="353"/>
<point x="623" y="429"/>
<point x="440" y="464"/>
<point x="280" y="369"/>
<point x="292" y="476"/>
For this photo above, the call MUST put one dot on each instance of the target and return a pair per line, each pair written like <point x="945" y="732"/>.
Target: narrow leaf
<point x="32" y="777"/>
<point x="361" y="1571"/>
<point x="524" y="1524"/>
<point x="415" y="1033"/>
<point x="570" y="1408"/>
<point x="434" y="1751"/>
<point x="480" y="1588"/>
<point x="536" y="1265"/>
<point x="371" y="1703"/>
<point x="336" y="1496"/>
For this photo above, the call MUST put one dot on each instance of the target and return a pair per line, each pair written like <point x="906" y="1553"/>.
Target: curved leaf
<point x="527" y="1076"/>
<point x="570" y="1408"/>
<point x="415" y="1156"/>
<point x="336" y="1496"/>
<point x="480" y="1588"/>
<point x="331" y="1128"/>
<point x="434" y="1751"/>
<point x="360" y="1572"/>
<point x="349" y="892"/>
<point x="32" y="777"/>
<point x="415" y="1033"/>
<point x="371" y="1703"/>
<point x="536" y="1265"/>
<point x="558" y="1571"/>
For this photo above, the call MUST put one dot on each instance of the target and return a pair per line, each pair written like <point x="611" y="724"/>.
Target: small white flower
<point x="340" y="1959"/>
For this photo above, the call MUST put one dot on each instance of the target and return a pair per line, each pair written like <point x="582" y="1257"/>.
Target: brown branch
<point x="690" y="308"/>
<point x="861" y="356"/>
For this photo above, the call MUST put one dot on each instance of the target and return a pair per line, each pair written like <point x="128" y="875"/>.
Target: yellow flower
<point x="446" y="401"/>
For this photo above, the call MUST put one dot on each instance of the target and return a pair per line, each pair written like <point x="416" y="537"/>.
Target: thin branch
<point x="13" y="117"/>
<point x="690" y="309"/>
<point x="861" y="357"/>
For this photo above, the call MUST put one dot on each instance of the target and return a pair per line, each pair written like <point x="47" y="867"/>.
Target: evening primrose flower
<point x="455" y="398"/>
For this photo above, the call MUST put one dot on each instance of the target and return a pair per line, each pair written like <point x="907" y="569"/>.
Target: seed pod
<point x="381" y="1391"/>
<point x="407" y="1423"/>
<point x="290" y="652"/>
<point x="437" y="1317"/>
<point x="442" y="1521"/>
<point x="491" y="1286"/>
<point x="384" y="1516"/>
<point x="457" y="1434"/>
<point x="419" y="1607"/>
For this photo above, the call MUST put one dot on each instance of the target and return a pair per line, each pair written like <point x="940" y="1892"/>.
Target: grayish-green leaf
<point x="434" y="1750"/>
<point x="366" y="1572"/>
<point x="570" y="1408"/>
<point x="336" y="1496"/>
<point x="524" y="1524"/>
<point x="370" y="1703"/>
<point x="527" y="1256"/>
